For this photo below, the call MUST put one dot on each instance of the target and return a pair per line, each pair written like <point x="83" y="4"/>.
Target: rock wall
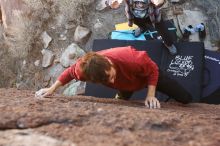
<point x="89" y="121"/>
<point x="36" y="33"/>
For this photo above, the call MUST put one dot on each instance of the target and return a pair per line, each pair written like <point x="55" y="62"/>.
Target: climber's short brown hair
<point x="93" y="67"/>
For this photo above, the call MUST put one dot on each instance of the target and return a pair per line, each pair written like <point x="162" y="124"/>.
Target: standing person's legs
<point x="143" y="24"/>
<point x="164" y="32"/>
<point x="173" y="89"/>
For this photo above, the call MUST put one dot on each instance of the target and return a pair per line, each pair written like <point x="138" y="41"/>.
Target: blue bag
<point x="126" y="35"/>
<point x="129" y="35"/>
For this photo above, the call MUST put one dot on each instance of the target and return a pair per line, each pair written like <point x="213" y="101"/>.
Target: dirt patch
<point x="97" y="121"/>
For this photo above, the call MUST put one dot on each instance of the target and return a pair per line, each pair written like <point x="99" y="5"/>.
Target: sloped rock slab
<point x="97" y="121"/>
<point x="29" y="138"/>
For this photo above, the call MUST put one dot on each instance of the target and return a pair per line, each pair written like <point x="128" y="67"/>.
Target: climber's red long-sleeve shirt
<point x="134" y="69"/>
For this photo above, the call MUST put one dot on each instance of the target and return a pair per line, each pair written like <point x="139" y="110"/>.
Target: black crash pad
<point x="186" y="67"/>
<point x="211" y="88"/>
<point x="213" y="98"/>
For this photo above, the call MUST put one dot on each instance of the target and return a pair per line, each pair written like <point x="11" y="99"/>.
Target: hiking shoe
<point x="137" y="32"/>
<point x="172" y="49"/>
<point x="190" y="29"/>
<point x="202" y="32"/>
<point x="186" y="35"/>
<point x="200" y="27"/>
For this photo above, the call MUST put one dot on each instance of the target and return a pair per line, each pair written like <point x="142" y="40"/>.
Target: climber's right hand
<point x="48" y="91"/>
<point x="43" y="93"/>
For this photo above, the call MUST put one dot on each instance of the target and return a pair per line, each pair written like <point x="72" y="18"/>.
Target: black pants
<point x="167" y="86"/>
<point x="145" y="24"/>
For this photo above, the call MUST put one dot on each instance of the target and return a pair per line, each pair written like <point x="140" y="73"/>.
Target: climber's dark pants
<point x="167" y="86"/>
<point x="145" y="24"/>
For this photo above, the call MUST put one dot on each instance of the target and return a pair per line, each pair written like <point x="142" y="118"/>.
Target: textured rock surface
<point x="10" y="10"/>
<point x="96" y="121"/>
<point x="29" y="138"/>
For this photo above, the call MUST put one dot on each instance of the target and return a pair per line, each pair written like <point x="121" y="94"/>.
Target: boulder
<point x="71" y="54"/>
<point x="81" y="34"/>
<point x="37" y="63"/>
<point x="98" y="25"/>
<point x="56" y="70"/>
<point x="102" y="4"/>
<point x="75" y="88"/>
<point x="62" y="37"/>
<point x="71" y="89"/>
<point x="48" y="57"/>
<point x="46" y="39"/>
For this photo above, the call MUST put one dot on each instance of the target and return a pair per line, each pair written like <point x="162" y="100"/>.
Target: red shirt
<point x="134" y="69"/>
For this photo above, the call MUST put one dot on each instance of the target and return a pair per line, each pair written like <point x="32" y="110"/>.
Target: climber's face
<point x="111" y="75"/>
<point x="140" y="5"/>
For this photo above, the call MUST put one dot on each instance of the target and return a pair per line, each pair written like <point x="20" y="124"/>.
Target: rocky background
<point x="40" y="38"/>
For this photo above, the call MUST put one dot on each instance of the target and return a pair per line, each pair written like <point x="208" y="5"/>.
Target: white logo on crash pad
<point x="181" y="66"/>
